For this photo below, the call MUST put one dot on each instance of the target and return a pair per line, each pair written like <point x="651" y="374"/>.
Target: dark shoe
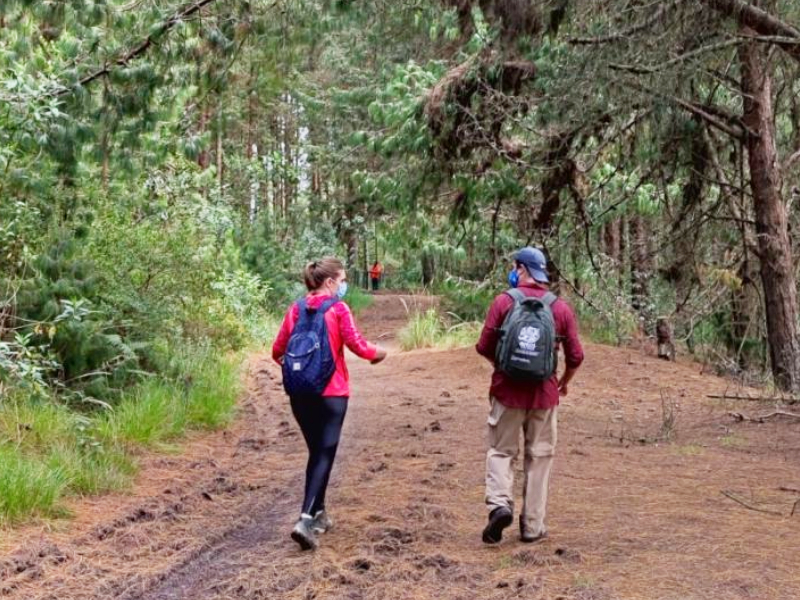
<point x="526" y="537"/>
<point x="303" y="533"/>
<point x="322" y="523"/>
<point x="499" y="519"/>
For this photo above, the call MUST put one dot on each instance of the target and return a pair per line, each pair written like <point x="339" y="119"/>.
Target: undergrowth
<point x="49" y="451"/>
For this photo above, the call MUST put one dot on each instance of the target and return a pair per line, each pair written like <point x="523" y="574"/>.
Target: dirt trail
<point x="629" y="519"/>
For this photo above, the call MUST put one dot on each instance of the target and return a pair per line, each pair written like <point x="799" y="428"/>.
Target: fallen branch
<point x="747" y="505"/>
<point x="784" y="488"/>
<point x="762" y="419"/>
<point x="754" y="398"/>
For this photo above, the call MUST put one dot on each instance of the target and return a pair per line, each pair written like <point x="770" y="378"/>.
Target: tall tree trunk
<point x="640" y="271"/>
<point x="777" y="273"/>
<point x="203" y="158"/>
<point x="428" y="268"/>
<point x="220" y="148"/>
<point x="682" y="271"/>
<point x="745" y="309"/>
<point x="624" y="231"/>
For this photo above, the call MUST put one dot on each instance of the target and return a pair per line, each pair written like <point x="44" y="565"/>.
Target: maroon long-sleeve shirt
<point x="524" y="394"/>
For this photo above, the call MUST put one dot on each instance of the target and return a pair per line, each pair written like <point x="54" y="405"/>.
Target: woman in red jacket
<point x="321" y="417"/>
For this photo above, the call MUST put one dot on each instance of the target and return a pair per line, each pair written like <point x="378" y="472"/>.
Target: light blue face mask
<point x="341" y="290"/>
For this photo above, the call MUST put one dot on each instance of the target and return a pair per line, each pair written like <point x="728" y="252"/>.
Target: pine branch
<point x="761" y="22"/>
<point x="713" y="115"/>
<point x="624" y="35"/>
<point x="140" y="48"/>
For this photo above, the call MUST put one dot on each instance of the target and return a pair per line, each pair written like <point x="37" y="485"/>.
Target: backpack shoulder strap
<point x="325" y="306"/>
<point x="302" y="311"/>
<point x="516" y="295"/>
<point x="549" y="299"/>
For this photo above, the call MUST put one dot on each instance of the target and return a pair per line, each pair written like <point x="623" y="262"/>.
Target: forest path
<point x="630" y="518"/>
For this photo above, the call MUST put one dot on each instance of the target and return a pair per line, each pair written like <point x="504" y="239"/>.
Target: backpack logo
<point x="528" y="336"/>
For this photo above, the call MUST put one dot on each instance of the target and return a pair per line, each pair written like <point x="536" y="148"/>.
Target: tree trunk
<point x="624" y="230"/>
<point x="611" y="241"/>
<point x="639" y="265"/>
<point x="777" y="274"/>
<point x="682" y="271"/>
<point x="745" y="309"/>
<point x="428" y="268"/>
<point x="666" y="347"/>
<point x="220" y="150"/>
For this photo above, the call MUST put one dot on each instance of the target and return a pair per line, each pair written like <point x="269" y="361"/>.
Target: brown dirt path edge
<point x="628" y="520"/>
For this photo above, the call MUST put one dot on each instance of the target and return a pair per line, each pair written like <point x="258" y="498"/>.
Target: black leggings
<point x="320" y="420"/>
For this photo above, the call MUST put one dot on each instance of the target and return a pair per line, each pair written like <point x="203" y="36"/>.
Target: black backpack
<point x="526" y="350"/>
<point x="308" y="363"/>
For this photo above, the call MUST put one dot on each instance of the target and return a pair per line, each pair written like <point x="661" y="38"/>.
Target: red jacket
<point x="522" y="394"/>
<point x="342" y="332"/>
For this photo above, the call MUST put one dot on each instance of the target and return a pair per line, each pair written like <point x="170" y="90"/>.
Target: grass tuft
<point x="28" y="486"/>
<point x="429" y="330"/>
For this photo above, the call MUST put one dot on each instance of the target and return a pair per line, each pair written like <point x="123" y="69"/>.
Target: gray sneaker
<point x="322" y="522"/>
<point x="303" y="533"/>
<point x="528" y="537"/>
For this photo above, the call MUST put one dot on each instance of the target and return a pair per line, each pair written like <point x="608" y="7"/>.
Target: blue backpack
<point x="308" y="363"/>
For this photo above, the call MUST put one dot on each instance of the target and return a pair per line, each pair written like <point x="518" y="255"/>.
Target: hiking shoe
<point x="499" y="519"/>
<point x="528" y="537"/>
<point x="322" y="523"/>
<point x="303" y="533"/>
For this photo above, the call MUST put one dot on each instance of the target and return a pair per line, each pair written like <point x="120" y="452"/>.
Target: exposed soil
<point x="633" y="515"/>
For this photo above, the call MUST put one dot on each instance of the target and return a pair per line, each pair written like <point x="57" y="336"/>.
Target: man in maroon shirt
<point x="522" y="405"/>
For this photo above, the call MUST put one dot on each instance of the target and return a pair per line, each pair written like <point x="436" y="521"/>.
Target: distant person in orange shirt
<point x="376" y="274"/>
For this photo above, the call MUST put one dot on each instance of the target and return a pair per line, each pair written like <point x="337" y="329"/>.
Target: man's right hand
<point x="380" y="354"/>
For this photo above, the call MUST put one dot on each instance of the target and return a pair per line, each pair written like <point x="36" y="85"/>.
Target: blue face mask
<point x="341" y="290"/>
<point x="513" y="278"/>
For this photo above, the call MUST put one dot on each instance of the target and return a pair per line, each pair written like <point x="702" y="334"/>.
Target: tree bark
<point x="682" y="271"/>
<point x="666" y="347"/>
<point x="611" y="240"/>
<point x="772" y="227"/>
<point x="640" y="268"/>
<point x="428" y="268"/>
<point x="744" y="313"/>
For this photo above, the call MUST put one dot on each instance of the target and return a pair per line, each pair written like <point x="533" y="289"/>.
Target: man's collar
<point x="535" y="285"/>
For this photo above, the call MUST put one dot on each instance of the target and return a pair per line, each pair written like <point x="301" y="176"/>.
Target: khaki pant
<point x="539" y="429"/>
